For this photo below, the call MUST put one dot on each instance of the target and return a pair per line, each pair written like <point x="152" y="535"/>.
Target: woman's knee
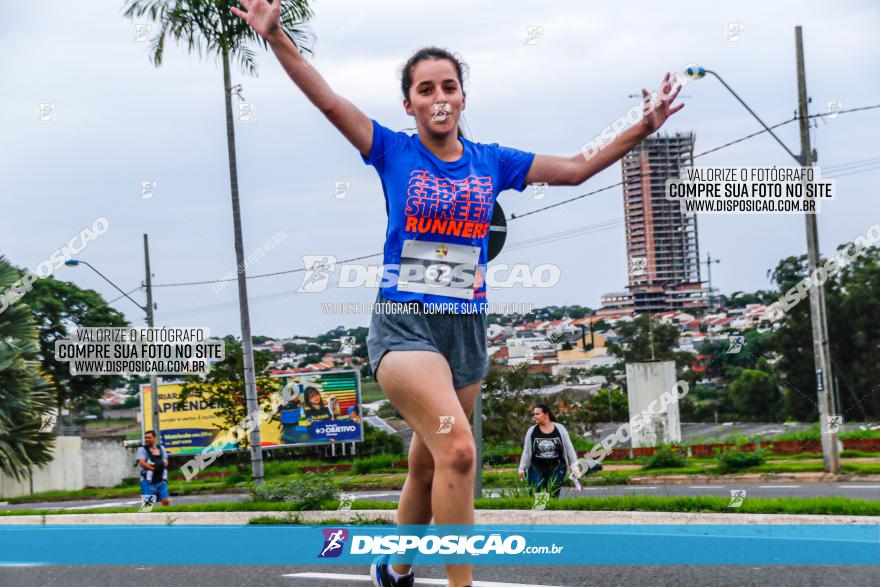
<point x="460" y="455"/>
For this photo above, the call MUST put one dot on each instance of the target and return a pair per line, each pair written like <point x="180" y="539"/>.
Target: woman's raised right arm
<point x="265" y="19"/>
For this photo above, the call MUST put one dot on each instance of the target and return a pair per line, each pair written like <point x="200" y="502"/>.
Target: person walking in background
<point x="152" y="459"/>
<point x="547" y="453"/>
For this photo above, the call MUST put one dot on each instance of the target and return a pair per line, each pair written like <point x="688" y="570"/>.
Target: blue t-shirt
<point x="431" y="200"/>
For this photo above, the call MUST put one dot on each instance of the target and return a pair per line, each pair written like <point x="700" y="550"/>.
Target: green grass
<point x="501" y="476"/>
<point x="374" y="464"/>
<point x="296" y="520"/>
<point x="817" y="467"/>
<point x="860" y="468"/>
<point x="272" y="467"/>
<point x="856" y="454"/>
<point x="213" y="507"/>
<point x="799" y="457"/>
<point x="706" y="504"/>
<point x="371" y="392"/>
<point x="811" y="433"/>
<point x="367" y="481"/>
<point x="111" y="492"/>
<point x="606" y="478"/>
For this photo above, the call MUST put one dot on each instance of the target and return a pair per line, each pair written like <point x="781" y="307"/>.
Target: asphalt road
<point x="484" y="575"/>
<point x="870" y="491"/>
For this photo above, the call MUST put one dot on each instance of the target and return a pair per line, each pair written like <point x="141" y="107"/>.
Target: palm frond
<point x="25" y="395"/>
<point x="206" y="27"/>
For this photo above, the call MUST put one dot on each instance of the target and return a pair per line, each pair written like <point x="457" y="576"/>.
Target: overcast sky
<point x="119" y="121"/>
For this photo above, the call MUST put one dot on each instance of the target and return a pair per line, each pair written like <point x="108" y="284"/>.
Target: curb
<point x="564" y="517"/>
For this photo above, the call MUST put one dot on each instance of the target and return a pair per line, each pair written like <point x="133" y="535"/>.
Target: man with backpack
<point x="152" y="459"/>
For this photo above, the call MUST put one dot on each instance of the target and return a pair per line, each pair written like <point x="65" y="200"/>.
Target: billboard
<point x="325" y="407"/>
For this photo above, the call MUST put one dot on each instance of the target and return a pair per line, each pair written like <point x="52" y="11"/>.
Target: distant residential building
<point x="494" y="331"/>
<point x="114" y="397"/>
<point x="616" y="303"/>
<point x="663" y="256"/>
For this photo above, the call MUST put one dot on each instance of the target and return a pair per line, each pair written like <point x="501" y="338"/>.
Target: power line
<point x="553" y="237"/>
<point x="724" y="146"/>
<point x="853" y="172"/>
<point x="544" y="239"/>
<point x="514" y="216"/>
<point x="566" y="234"/>
<point x="840" y="166"/>
<point x="286" y="271"/>
<point x="117" y="298"/>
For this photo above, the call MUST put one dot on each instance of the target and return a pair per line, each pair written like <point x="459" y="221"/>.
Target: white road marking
<point x="778" y="486"/>
<point x="859" y="486"/>
<point x="706" y="486"/>
<point x="642" y="487"/>
<point x="344" y="577"/>
<point x="112" y="504"/>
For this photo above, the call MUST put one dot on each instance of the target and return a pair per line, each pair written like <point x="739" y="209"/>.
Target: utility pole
<point x="478" y="441"/>
<point x="709" y="261"/>
<point x="154" y="387"/>
<point x="821" y="347"/>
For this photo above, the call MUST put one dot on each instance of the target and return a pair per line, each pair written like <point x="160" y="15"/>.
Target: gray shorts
<point x="460" y="338"/>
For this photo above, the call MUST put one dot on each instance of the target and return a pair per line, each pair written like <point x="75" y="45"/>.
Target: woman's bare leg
<point x="415" y="499"/>
<point x="419" y="385"/>
<point x="414" y="506"/>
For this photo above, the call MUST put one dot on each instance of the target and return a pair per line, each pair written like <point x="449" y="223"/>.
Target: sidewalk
<point x="567" y="517"/>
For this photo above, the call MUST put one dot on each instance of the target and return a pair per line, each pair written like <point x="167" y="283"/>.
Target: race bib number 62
<point x="441" y="269"/>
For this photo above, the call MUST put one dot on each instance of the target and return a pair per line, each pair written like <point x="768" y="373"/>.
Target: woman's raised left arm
<point x="575" y="170"/>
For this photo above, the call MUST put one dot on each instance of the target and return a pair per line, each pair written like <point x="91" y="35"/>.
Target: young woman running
<point x="439" y="192"/>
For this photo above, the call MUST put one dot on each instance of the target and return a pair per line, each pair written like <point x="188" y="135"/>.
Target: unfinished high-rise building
<point x="661" y="241"/>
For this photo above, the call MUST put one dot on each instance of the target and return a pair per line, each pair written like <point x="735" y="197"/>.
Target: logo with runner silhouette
<point x="334" y="540"/>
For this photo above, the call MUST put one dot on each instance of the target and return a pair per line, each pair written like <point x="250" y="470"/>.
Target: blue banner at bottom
<point x="443" y="544"/>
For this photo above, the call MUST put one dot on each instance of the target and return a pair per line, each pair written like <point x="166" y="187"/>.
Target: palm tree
<point x="208" y="26"/>
<point x="25" y="394"/>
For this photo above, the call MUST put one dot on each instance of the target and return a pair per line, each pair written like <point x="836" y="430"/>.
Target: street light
<point x="821" y="345"/>
<point x="700" y="72"/>
<point x="148" y="310"/>
<point x="75" y="262"/>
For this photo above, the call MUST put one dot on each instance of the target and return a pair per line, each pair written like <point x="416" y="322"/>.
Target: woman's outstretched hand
<point x="657" y="112"/>
<point x="263" y="17"/>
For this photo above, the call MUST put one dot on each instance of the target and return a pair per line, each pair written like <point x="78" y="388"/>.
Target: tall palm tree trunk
<point x="246" y="342"/>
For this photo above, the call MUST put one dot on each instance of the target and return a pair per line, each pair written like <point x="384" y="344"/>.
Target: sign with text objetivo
<point x="324" y="407"/>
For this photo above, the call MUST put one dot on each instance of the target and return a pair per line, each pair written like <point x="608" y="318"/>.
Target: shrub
<point x="520" y="489"/>
<point x="666" y="457"/>
<point x="736" y="460"/>
<point x="387" y="411"/>
<point x="309" y="490"/>
<point x="375" y="463"/>
<point x="378" y="442"/>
